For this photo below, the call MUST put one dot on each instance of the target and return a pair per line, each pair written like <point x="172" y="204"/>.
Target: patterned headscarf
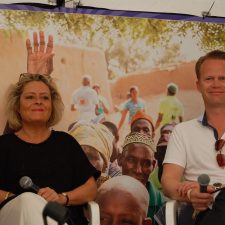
<point x="97" y="136"/>
<point x="136" y="137"/>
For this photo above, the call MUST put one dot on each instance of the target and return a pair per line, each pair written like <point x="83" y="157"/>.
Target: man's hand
<point x="40" y="58"/>
<point x="185" y="186"/>
<point x="200" y="201"/>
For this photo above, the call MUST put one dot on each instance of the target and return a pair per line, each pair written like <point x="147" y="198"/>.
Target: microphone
<point x="27" y="183"/>
<point x="203" y="181"/>
<point x="57" y="212"/>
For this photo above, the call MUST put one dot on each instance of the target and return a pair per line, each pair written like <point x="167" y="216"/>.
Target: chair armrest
<point x="171" y="212"/>
<point x="94" y="213"/>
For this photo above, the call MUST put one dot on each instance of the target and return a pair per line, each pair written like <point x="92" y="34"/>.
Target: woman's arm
<point x="4" y="195"/>
<point x="80" y="195"/>
<point x="84" y="193"/>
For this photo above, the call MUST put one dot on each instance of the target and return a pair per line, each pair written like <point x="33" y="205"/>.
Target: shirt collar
<point x="204" y="121"/>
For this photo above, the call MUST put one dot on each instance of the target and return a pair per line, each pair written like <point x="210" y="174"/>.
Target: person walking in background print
<point x="170" y="108"/>
<point x="85" y="100"/>
<point x="103" y="105"/>
<point x="134" y="104"/>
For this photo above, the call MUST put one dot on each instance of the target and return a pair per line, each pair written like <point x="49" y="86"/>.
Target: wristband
<point x="67" y="198"/>
<point x="189" y="194"/>
<point x="7" y="195"/>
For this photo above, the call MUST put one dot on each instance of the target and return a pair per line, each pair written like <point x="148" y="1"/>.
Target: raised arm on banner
<point x="40" y="55"/>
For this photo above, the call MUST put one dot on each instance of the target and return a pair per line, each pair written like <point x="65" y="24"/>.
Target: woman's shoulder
<point x="9" y="136"/>
<point x="9" y="139"/>
<point x="62" y="135"/>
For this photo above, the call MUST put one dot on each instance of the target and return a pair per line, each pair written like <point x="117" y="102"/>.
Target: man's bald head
<point x="127" y="186"/>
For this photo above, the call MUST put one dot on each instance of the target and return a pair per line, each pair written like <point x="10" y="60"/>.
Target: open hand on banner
<point x="40" y="57"/>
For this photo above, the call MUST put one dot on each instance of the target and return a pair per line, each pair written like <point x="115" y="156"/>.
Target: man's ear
<point x="197" y="85"/>
<point x="147" y="221"/>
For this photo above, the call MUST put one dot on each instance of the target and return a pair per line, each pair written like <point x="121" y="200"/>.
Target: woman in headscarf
<point x="97" y="142"/>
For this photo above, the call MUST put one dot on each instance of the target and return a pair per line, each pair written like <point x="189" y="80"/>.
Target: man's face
<point x="138" y="162"/>
<point x="142" y="126"/>
<point x="211" y="83"/>
<point x="119" y="208"/>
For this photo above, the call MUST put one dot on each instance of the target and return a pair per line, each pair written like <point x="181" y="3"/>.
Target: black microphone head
<point x="26" y="182"/>
<point x="203" y="180"/>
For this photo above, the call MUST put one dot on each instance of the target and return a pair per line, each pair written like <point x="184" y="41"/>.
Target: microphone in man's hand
<point x="203" y="181"/>
<point x="27" y="183"/>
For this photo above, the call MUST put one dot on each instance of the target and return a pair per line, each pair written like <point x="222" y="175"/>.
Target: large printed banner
<point x="118" y="50"/>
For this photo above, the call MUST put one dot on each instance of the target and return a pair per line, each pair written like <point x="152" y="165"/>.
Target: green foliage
<point x="128" y="42"/>
<point x="20" y="21"/>
<point x="210" y="36"/>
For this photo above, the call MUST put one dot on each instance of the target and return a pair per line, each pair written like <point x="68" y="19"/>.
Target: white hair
<point x="129" y="185"/>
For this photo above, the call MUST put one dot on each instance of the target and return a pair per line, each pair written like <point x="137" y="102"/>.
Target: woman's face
<point x="35" y="103"/>
<point x="94" y="157"/>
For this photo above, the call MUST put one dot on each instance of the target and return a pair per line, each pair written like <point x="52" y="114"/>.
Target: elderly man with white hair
<point x="123" y="200"/>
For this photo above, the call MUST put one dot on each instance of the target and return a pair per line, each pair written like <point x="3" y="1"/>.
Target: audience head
<point x="216" y="54"/>
<point x="97" y="88"/>
<point x="137" y="158"/>
<point x="16" y="97"/>
<point x="86" y="80"/>
<point x="161" y="147"/>
<point x="172" y="89"/>
<point x="142" y="123"/>
<point x="123" y="199"/>
<point x="165" y="133"/>
<point x="113" y="128"/>
<point x="97" y="142"/>
<point x="134" y="91"/>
